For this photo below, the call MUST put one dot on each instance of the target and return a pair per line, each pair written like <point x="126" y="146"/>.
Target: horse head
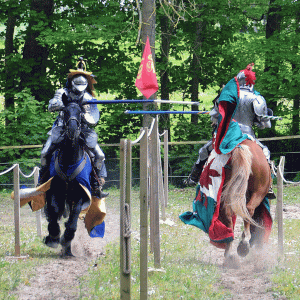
<point x="72" y="121"/>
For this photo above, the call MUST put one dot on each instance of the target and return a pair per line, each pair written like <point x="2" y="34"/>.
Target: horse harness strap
<point x="63" y="176"/>
<point x="93" y="165"/>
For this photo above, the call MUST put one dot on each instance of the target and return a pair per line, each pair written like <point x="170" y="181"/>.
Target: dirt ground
<point x="60" y="279"/>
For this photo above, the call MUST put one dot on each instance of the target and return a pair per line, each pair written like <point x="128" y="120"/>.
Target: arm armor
<point x="56" y="103"/>
<point x="214" y="114"/>
<point x="260" y="109"/>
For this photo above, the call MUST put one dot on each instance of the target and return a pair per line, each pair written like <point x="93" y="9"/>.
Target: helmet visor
<point x="79" y="83"/>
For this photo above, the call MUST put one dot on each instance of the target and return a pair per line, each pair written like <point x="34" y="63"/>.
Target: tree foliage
<point x="199" y="44"/>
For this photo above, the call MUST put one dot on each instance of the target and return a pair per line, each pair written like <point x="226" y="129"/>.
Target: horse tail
<point x="235" y="190"/>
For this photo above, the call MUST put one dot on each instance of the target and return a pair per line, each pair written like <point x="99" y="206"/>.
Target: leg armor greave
<point x="204" y="152"/>
<point x="98" y="156"/>
<point x="197" y="168"/>
<point x="46" y="151"/>
<point x="97" y="180"/>
<point x="46" y="155"/>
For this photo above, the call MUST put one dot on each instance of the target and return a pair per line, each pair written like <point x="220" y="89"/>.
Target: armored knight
<point x="251" y="110"/>
<point x="79" y="88"/>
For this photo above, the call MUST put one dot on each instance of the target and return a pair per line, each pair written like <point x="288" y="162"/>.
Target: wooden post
<point x="125" y="219"/>
<point x="156" y="233"/>
<point x="144" y="198"/>
<point x="17" y="209"/>
<point x="279" y="207"/>
<point x="38" y="213"/>
<point x="148" y="15"/>
<point x="161" y="193"/>
<point x="166" y="164"/>
<point x="151" y="191"/>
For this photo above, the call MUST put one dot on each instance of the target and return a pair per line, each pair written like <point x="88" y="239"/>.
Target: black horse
<point x="71" y="170"/>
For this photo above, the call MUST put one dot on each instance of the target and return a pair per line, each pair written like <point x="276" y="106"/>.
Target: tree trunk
<point x="296" y="94"/>
<point x="296" y="119"/>
<point x="164" y="76"/>
<point x="35" y="55"/>
<point x="148" y="29"/>
<point x="271" y="67"/>
<point x="9" y="48"/>
<point x="195" y="68"/>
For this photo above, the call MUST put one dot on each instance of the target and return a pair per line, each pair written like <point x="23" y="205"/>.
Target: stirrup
<point x="99" y="193"/>
<point x="189" y="182"/>
<point x="271" y="195"/>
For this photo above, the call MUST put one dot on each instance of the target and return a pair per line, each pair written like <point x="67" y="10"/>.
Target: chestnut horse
<point x="247" y="182"/>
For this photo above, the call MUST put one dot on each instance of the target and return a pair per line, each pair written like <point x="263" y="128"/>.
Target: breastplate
<point x="245" y="113"/>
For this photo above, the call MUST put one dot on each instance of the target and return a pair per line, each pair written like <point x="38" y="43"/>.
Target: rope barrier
<point x="274" y="170"/>
<point x="139" y="138"/>
<point x="16" y="184"/>
<point x="162" y="134"/>
<point x="32" y="173"/>
<point x="26" y="176"/>
<point x="8" y="170"/>
<point x="151" y="127"/>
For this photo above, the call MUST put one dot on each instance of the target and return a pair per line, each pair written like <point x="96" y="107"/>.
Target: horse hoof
<point x="66" y="248"/>
<point x="231" y="262"/>
<point x="51" y="242"/>
<point x="66" y="252"/>
<point x="243" y="248"/>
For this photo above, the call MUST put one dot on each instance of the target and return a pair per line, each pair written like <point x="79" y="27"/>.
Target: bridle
<point x="73" y="135"/>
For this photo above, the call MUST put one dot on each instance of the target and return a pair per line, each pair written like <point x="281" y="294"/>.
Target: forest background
<point x="199" y="47"/>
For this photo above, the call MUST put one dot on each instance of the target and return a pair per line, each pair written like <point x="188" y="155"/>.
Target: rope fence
<point x="16" y="183"/>
<point x="153" y="194"/>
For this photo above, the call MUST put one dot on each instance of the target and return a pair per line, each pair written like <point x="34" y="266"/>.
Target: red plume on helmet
<point x="249" y="74"/>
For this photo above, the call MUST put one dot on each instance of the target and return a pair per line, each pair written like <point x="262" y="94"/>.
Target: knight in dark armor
<point x="80" y="89"/>
<point x="251" y="111"/>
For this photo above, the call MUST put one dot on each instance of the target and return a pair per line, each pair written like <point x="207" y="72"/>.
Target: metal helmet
<point x="79" y="84"/>
<point x="81" y="80"/>
<point x="246" y="77"/>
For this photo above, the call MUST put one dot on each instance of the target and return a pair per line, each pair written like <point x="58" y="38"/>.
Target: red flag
<point x="146" y="80"/>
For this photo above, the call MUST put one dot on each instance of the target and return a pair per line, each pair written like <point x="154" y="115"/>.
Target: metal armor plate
<point x="260" y="106"/>
<point x="91" y="111"/>
<point x="56" y="103"/>
<point x="245" y="113"/>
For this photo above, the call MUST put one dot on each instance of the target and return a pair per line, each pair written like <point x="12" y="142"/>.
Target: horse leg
<point x="52" y="240"/>
<point x="71" y="227"/>
<point x="244" y="245"/>
<point x="53" y="213"/>
<point x="231" y="259"/>
<point x="225" y="216"/>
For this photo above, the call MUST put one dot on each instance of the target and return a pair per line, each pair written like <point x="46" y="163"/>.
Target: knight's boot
<point x="194" y="176"/>
<point x="271" y="195"/>
<point x="44" y="174"/>
<point x="46" y="156"/>
<point x="97" y="183"/>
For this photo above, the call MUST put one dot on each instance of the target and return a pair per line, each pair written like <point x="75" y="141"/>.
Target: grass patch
<point x="187" y="274"/>
<point x="14" y="272"/>
<point x="286" y="277"/>
<point x="184" y="274"/>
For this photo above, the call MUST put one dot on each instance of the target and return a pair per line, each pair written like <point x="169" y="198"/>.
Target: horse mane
<point x="234" y="193"/>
